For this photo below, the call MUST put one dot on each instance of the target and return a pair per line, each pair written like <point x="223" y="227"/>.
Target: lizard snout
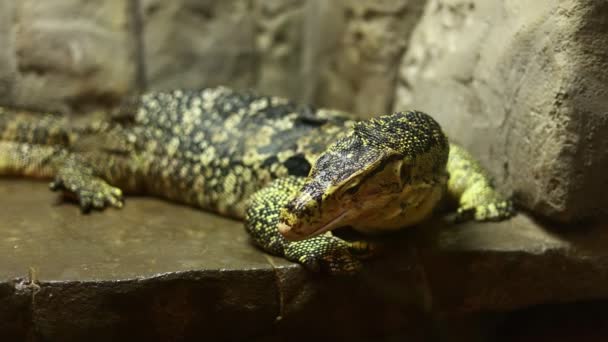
<point x="289" y="233"/>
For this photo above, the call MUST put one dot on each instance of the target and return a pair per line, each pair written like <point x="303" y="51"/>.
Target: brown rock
<point x="15" y="313"/>
<point x="508" y="265"/>
<point x="522" y="85"/>
<point x="157" y="270"/>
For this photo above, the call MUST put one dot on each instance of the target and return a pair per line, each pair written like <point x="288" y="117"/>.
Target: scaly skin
<point x="292" y="172"/>
<point x="473" y="190"/>
<point x="323" y="252"/>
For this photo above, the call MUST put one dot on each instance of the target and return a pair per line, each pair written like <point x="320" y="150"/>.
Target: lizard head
<point x="385" y="172"/>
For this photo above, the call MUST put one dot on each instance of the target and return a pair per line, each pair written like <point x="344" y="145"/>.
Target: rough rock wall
<point x="520" y="83"/>
<point x="280" y="28"/>
<point x="191" y="43"/>
<point x="360" y="50"/>
<point x="60" y="54"/>
<point x="523" y="84"/>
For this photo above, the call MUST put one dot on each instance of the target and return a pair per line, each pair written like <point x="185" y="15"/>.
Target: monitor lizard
<point x="291" y="172"/>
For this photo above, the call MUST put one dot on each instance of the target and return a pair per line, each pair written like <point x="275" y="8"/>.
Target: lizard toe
<point x="495" y="211"/>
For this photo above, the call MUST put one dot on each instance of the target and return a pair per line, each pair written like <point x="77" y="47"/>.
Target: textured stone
<point x="193" y="43"/>
<point x="279" y="41"/>
<point x="7" y="57"/>
<point x="514" y="264"/>
<point x="67" y="53"/>
<point x="195" y="305"/>
<point x="360" y="47"/>
<point x="523" y="85"/>
<point x="583" y="321"/>
<point x="15" y="313"/>
<point x="558" y="322"/>
<point x="146" y="238"/>
<point x="393" y="289"/>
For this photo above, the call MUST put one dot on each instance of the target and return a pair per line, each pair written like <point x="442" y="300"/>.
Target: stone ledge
<point x="158" y="269"/>
<point x="512" y="265"/>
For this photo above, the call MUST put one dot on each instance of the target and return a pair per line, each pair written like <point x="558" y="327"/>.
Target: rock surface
<point x="7" y="55"/>
<point x="54" y="59"/>
<point x="191" y="43"/>
<point x="342" y="54"/>
<point x="157" y="269"/>
<point x="522" y="85"/>
<point x="360" y="47"/>
<point x="280" y="42"/>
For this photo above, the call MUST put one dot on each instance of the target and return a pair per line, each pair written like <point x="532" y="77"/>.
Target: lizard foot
<point x="494" y="211"/>
<point x="326" y="253"/>
<point x="91" y="192"/>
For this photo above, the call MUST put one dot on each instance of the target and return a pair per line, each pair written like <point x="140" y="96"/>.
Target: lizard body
<point x="292" y="172"/>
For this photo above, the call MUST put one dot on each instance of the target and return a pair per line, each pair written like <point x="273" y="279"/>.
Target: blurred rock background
<point x="520" y="83"/>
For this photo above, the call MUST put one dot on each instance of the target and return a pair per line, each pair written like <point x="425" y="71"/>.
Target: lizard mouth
<point x="296" y="235"/>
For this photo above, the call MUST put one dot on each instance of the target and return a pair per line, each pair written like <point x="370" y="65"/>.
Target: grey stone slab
<point x="150" y="270"/>
<point x="146" y="238"/>
<point x="522" y="85"/>
<point x="156" y="270"/>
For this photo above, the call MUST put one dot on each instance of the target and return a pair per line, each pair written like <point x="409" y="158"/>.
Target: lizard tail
<point x="30" y="143"/>
<point x="24" y="159"/>
<point x="24" y="127"/>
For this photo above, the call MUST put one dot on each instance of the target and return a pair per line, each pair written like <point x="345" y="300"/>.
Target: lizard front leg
<point x="471" y="187"/>
<point x="325" y="252"/>
<point x="70" y="172"/>
<point x="79" y="178"/>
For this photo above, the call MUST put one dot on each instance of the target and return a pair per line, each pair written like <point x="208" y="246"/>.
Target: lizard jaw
<point x="297" y="235"/>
